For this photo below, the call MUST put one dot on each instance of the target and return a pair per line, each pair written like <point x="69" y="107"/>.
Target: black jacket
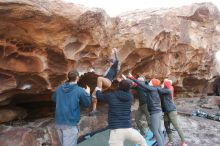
<point x="153" y="100"/>
<point x="142" y="95"/>
<point x="119" y="112"/>
<point x="166" y="100"/>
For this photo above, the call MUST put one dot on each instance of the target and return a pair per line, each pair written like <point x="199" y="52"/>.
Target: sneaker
<point x="93" y="113"/>
<point x="183" y="144"/>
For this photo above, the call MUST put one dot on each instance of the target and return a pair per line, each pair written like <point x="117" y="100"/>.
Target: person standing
<point x="106" y="79"/>
<point x="119" y="115"/>
<point x="170" y="112"/>
<point x="154" y="107"/>
<point x="68" y="98"/>
<point x="143" y="108"/>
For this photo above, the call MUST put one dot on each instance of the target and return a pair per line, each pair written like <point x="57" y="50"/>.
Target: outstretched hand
<point x="130" y="76"/>
<point x="87" y="89"/>
<point x="114" y="50"/>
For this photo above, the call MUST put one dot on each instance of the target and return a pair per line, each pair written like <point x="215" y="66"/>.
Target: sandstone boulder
<point x="41" y="40"/>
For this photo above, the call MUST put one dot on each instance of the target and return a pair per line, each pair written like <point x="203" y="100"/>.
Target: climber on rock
<point x="154" y="106"/>
<point x="106" y="80"/>
<point x="170" y="113"/>
<point x="119" y="115"/>
<point x="68" y="98"/>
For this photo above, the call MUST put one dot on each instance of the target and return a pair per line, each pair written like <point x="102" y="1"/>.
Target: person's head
<point x="154" y="82"/>
<point x="167" y="83"/>
<point x="141" y="78"/>
<point x="125" y="85"/>
<point x="73" y="76"/>
<point x="168" y="80"/>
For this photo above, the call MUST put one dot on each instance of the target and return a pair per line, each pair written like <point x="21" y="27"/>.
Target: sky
<point x="115" y="7"/>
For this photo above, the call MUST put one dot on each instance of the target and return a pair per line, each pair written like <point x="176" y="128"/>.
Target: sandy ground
<point x="198" y="131"/>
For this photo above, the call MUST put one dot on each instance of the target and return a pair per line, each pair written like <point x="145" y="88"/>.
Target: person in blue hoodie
<point x="119" y="115"/>
<point x="68" y="98"/>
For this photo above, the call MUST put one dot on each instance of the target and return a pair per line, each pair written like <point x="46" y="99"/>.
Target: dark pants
<point x="142" y="111"/>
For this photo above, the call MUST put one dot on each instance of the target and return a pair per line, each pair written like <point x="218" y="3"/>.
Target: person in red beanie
<point x="155" y="82"/>
<point x="170" y="113"/>
<point x="168" y="84"/>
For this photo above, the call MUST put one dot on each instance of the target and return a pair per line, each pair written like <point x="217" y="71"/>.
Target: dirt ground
<point x="198" y="131"/>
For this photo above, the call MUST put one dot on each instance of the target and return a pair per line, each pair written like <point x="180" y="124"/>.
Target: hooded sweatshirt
<point x="167" y="100"/>
<point x="153" y="100"/>
<point x="68" y="98"/>
<point x="119" y="112"/>
<point x="142" y="95"/>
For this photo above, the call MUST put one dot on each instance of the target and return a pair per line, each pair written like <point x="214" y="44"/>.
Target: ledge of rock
<point x="40" y="41"/>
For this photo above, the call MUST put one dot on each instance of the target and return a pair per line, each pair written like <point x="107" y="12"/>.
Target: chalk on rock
<point x="26" y="87"/>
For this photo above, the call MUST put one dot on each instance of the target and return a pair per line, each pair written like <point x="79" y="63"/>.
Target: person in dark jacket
<point x="154" y="107"/>
<point x="119" y="115"/>
<point x="106" y="80"/>
<point x="142" y="109"/>
<point x="170" y="113"/>
<point x="68" y="98"/>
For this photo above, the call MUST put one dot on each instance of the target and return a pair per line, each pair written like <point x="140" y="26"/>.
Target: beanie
<point x="168" y="84"/>
<point x="155" y="82"/>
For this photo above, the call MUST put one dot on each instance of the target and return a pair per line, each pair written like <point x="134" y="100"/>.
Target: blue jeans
<point x="67" y="135"/>
<point x="156" y="127"/>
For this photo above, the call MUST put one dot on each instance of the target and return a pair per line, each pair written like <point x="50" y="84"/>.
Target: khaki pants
<point x="142" y="111"/>
<point x="118" y="136"/>
<point x="101" y="83"/>
<point x="171" y="117"/>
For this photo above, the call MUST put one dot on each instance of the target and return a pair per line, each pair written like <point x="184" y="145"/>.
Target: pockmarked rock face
<point x="42" y="40"/>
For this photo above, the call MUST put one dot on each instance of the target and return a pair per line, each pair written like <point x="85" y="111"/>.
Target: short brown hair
<point x="72" y="75"/>
<point x="125" y="85"/>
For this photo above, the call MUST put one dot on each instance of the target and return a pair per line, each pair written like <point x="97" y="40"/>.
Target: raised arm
<point x="143" y="86"/>
<point x="116" y="62"/>
<point x="163" y="91"/>
<point x="115" y="50"/>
